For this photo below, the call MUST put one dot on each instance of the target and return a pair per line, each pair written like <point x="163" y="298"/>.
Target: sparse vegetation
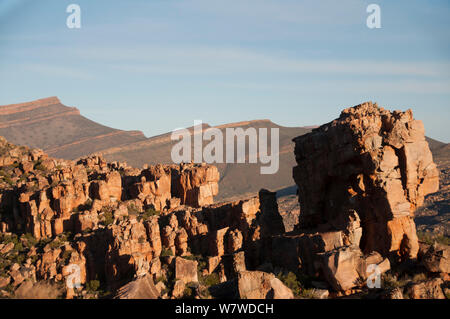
<point x="210" y="280"/>
<point x="166" y="252"/>
<point x="38" y="166"/>
<point x="419" y="277"/>
<point x="93" y="286"/>
<point x="390" y="280"/>
<point x="66" y="256"/>
<point x="147" y="214"/>
<point x="108" y="217"/>
<point x="291" y="281"/>
<point x="29" y="240"/>
<point x="188" y="293"/>
<point x="8" y="180"/>
<point x="430" y="238"/>
<point x="299" y="284"/>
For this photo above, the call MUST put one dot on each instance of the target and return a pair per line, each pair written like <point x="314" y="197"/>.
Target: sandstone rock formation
<point x="437" y="259"/>
<point x="110" y="229"/>
<point x="261" y="285"/>
<point x="430" y="289"/>
<point x="113" y="210"/>
<point x="360" y="178"/>
<point x="195" y="185"/>
<point x="141" y="288"/>
<point x="186" y="270"/>
<point x="113" y="223"/>
<point x="373" y="161"/>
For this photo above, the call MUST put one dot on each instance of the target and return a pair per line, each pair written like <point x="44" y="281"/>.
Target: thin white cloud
<point x="367" y="87"/>
<point x="198" y="60"/>
<point x="55" y="71"/>
<point x="208" y="60"/>
<point x="292" y="11"/>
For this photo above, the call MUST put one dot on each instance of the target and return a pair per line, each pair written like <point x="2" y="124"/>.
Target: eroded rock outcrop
<point x="47" y="197"/>
<point x="360" y="179"/>
<point x="373" y="161"/>
<point x="196" y="185"/>
<point x="155" y="232"/>
<point x="261" y="285"/>
<point x="110" y="211"/>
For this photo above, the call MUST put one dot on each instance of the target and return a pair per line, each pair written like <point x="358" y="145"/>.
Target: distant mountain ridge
<point x="58" y="129"/>
<point x="63" y="132"/>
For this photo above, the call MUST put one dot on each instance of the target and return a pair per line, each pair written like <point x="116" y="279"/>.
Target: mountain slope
<point x="237" y="180"/>
<point x="59" y="130"/>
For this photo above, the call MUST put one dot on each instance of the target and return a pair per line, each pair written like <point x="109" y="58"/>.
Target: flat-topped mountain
<point x="237" y="180"/>
<point x="58" y="129"/>
<point x="63" y="133"/>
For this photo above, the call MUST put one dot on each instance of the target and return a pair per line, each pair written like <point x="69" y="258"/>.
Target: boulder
<point x="195" y="184"/>
<point x="261" y="285"/>
<point x="7" y="248"/>
<point x="140" y="288"/>
<point x="340" y="267"/>
<point x="178" y="289"/>
<point x="437" y="259"/>
<point x="430" y="289"/>
<point x="186" y="270"/>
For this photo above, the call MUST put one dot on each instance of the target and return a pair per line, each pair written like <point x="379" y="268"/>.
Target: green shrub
<point x="190" y="257"/>
<point x="209" y="280"/>
<point x="56" y="243"/>
<point x="389" y="280"/>
<point x="18" y="247"/>
<point x="6" y="239"/>
<point x="66" y="256"/>
<point x="188" y="293"/>
<point x="8" y="180"/>
<point x="108" y="217"/>
<point x="93" y="286"/>
<point x="306" y="293"/>
<point x="166" y="252"/>
<point x="23" y="177"/>
<point x="149" y="212"/>
<point x="291" y="281"/>
<point x="29" y="240"/>
<point x="40" y="167"/>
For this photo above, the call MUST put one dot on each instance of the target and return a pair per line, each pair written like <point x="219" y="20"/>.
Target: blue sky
<point x="157" y="65"/>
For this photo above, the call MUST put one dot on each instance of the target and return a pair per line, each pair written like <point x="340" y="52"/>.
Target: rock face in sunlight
<point x="373" y="161"/>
